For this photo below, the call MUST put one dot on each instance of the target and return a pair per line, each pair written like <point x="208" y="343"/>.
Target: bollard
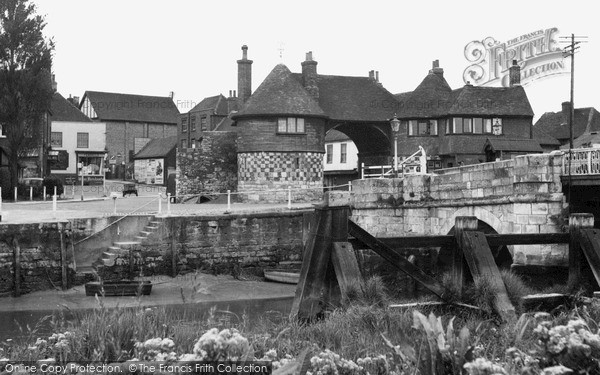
<point x="31" y="193"/>
<point x="54" y="191"/>
<point x="159" y="204"/>
<point x="289" y="197"/>
<point x="54" y="205"/>
<point x="114" y="204"/>
<point x="349" y="185"/>
<point x="15" y="194"/>
<point x="0" y="203"/>
<point x="168" y="203"/>
<point x="44" y="193"/>
<point x="228" y="200"/>
<point x="73" y="191"/>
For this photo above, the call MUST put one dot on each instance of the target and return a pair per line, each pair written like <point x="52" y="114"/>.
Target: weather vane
<point x="280" y="48"/>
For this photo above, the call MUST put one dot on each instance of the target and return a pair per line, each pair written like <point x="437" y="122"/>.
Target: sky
<point x="152" y="47"/>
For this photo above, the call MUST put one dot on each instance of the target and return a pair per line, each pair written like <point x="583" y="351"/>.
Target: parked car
<point x="26" y="184"/>
<point x="129" y="189"/>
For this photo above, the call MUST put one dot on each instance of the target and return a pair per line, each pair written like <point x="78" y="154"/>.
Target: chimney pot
<point x="235" y="93"/>
<point x="244" y="52"/>
<point x="436" y="64"/>
<point x="514" y="74"/>
<point x="244" y="75"/>
<point x="309" y="56"/>
<point x="377" y="76"/>
<point x="372" y="74"/>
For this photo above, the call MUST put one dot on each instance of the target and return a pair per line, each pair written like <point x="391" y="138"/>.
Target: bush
<point x="50" y="182"/>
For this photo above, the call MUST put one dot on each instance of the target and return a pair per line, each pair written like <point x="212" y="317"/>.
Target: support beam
<point x="461" y="224"/>
<point x="63" y="258"/>
<point x="590" y="245"/>
<point x="577" y="222"/>
<point x="346" y="267"/>
<point x="396" y="259"/>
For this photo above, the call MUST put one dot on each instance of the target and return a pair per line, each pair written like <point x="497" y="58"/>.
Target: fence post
<point x="54" y="205"/>
<point x="0" y="201"/>
<point x="577" y="222"/>
<point x="115" y="204"/>
<point x="73" y="191"/>
<point x="63" y="256"/>
<point x="159" y="204"/>
<point x="15" y="195"/>
<point x="54" y="192"/>
<point x="349" y="185"/>
<point x="31" y="193"/>
<point x="289" y="206"/>
<point x="168" y="203"/>
<point x="17" y="266"/>
<point x="45" y="193"/>
<point x="228" y="200"/>
<point x="362" y="171"/>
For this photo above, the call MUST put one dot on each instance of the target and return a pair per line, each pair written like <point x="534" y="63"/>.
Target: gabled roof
<point x="217" y="103"/>
<point x="430" y="99"/>
<point x="556" y="123"/>
<point x="512" y="145"/>
<point x="585" y="140"/>
<point x="359" y="99"/>
<point x="544" y="138"/>
<point x="129" y="107"/>
<point x="280" y="94"/>
<point x="490" y="101"/>
<point x="157" y="148"/>
<point x="335" y="136"/>
<point x="63" y="110"/>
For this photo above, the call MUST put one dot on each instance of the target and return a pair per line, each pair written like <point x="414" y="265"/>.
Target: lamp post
<point x="395" y="123"/>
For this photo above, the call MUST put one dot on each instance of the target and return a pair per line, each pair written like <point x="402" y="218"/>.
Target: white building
<point x="76" y="139"/>
<point x="340" y="163"/>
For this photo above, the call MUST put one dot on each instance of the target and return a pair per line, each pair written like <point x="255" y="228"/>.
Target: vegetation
<point x="365" y="336"/>
<point x="52" y="181"/>
<point x="25" y="80"/>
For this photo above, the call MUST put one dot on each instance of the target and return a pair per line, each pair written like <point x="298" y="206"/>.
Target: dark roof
<point x="335" y="136"/>
<point x="280" y="94"/>
<point x="217" y="103"/>
<point x="513" y="144"/>
<point x="157" y="148"/>
<point x="490" y="101"/>
<point x="226" y="125"/>
<point x="128" y="107"/>
<point x="585" y="140"/>
<point x="556" y="123"/>
<point x="457" y="144"/>
<point x="431" y="98"/>
<point x="544" y="138"/>
<point x="63" y="110"/>
<point x="360" y="99"/>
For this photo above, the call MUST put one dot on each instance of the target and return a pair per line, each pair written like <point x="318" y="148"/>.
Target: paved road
<point x="96" y="204"/>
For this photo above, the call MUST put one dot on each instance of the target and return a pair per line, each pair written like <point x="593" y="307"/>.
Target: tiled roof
<point x="157" y="148"/>
<point x="218" y="103"/>
<point x="585" y="140"/>
<point x="431" y="98"/>
<point x="335" y="136"/>
<point x="359" y="99"/>
<point x="128" y="107"/>
<point x="490" y="101"/>
<point x="544" y="138"/>
<point x="556" y="123"/>
<point x="513" y="144"/>
<point x="280" y="94"/>
<point x="63" y="110"/>
<point x="226" y="125"/>
<point x="460" y="144"/>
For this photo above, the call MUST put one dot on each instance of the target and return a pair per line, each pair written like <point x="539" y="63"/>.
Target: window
<point x="329" y="153"/>
<point x="290" y="125"/>
<point x="83" y="140"/>
<point x="2" y="135"/>
<point x="497" y="126"/>
<point x="487" y="125"/>
<point x="193" y="124"/>
<point x="457" y="125"/>
<point x="184" y="125"/>
<point x="203" y="124"/>
<point x="56" y="139"/>
<point x="184" y="143"/>
<point x="422" y="127"/>
<point x="467" y="125"/>
<point x="343" y="148"/>
<point x="193" y="143"/>
<point x="477" y="125"/>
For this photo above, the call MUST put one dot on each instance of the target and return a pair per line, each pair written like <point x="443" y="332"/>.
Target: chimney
<point x="54" y="83"/>
<point x="377" y="76"/>
<point x="232" y="102"/>
<point x="372" y="74"/>
<point x="514" y="74"/>
<point x="171" y="94"/>
<point x="309" y="75"/>
<point x="244" y="75"/>
<point x="76" y="101"/>
<point x="435" y="68"/>
<point x="566" y="111"/>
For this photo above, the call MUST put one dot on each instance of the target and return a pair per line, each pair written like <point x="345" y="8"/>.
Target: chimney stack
<point x="244" y="75"/>
<point x="514" y="74"/>
<point x="232" y="102"/>
<point x="76" y="101"/>
<point x="54" y="83"/>
<point x="435" y="68"/>
<point x="171" y="94"/>
<point x="566" y="111"/>
<point x="309" y="75"/>
<point x="372" y="74"/>
<point x="377" y="75"/>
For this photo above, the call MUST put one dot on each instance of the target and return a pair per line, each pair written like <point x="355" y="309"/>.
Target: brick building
<point x="205" y="116"/>
<point x="468" y="125"/>
<point x="131" y="122"/>
<point x="586" y="125"/>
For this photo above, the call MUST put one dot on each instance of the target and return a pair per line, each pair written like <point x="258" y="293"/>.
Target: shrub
<point x="515" y="287"/>
<point x="50" y="182"/>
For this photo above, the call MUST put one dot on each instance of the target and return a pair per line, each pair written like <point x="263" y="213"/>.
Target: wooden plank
<point x="317" y="255"/>
<point x="461" y="224"/>
<point x="545" y="302"/>
<point x="494" y="240"/>
<point x="577" y="222"/>
<point x="63" y="258"/>
<point x="482" y="264"/>
<point x="173" y="249"/>
<point x="346" y="267"/>
<point x="338" y="233"/>
<point x="395" y="259"/>
<point x="589" y="240"/>
<point x="17" y="266"/>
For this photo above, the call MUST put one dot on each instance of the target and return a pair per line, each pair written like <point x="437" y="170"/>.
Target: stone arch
<point x="373" y="141"/>
<point x="487" y="223"/>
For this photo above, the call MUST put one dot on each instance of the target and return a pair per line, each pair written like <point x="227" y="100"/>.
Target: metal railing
<point x="413" y="164"/>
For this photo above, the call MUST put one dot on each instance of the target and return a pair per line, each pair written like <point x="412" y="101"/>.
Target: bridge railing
<point x="584" y="161"/>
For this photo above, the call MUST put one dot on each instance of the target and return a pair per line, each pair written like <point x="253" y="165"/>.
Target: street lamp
<point x="395" y="123"/>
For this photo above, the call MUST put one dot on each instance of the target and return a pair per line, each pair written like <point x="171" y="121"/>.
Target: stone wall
<point x="217" y="243"/>
<point x="39" y="256"/>
<point x="210" y="168"/>
<point x="523" y="195"/>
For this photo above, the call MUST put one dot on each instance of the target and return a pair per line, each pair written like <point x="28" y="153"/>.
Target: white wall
<point x="97" y="140"/>
<point x="351" y="157"/>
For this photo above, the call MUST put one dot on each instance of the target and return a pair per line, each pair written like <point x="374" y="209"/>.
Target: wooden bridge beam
<point x="577" y="223"/>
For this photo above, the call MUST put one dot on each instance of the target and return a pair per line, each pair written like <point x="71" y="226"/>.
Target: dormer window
<point x="290" y="125"/>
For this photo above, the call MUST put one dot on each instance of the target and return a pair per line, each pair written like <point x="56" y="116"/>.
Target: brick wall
<point x="120" y="136"/>
<point x="209" y="168"/>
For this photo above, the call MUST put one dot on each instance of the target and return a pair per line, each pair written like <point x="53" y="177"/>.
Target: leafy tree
<point x="25" y="79"/>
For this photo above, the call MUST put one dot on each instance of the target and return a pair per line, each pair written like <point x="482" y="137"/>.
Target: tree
<point x="25" y="80"/>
